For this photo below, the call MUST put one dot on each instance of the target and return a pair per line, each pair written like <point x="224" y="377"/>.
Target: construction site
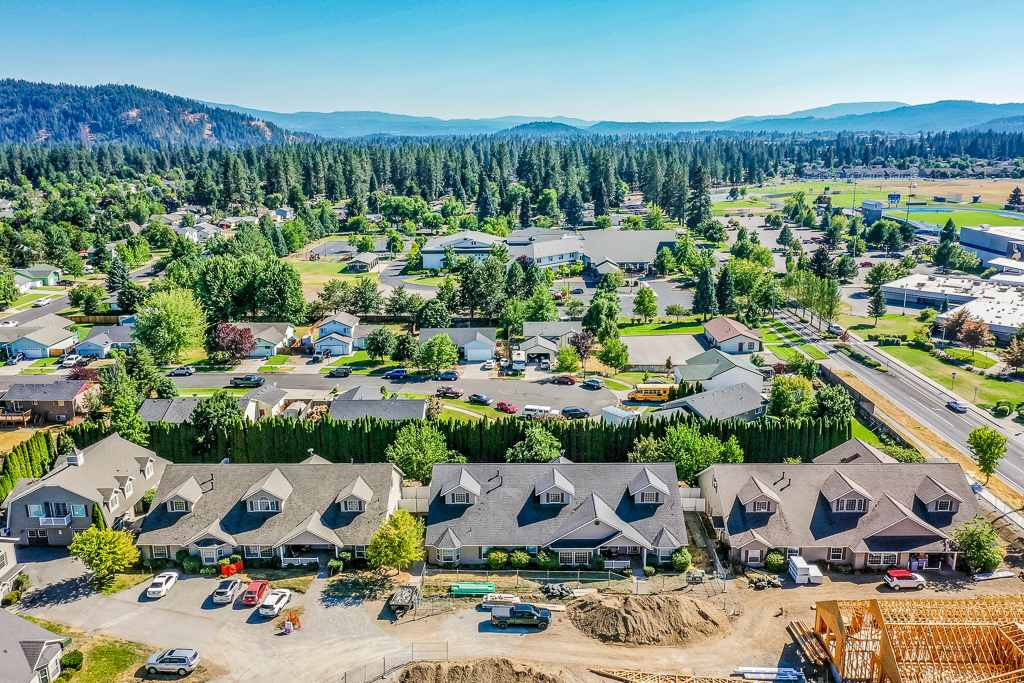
<point x="924" y="640"/>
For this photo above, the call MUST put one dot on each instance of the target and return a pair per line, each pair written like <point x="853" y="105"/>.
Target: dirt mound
<point x="647" y="619"/>
<point x="490" y="669"/>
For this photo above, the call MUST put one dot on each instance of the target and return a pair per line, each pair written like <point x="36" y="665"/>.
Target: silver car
<point x="178" y="662"/>
<point x="227" y="591"/>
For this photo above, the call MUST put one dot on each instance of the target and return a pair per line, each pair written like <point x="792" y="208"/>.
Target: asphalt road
<point x="59" y="304"/>
<point x="922" y="400"/>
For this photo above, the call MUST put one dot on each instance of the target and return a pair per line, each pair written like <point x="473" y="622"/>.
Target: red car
<point x="507" y="407"/>
<point x="564" y="379"/>
<point x="254" y="593"/>
<point x="866" y="264"/>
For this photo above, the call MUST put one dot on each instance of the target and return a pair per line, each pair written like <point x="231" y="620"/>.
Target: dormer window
<point x="149" y="470"/>
<point x="460" y="498"/>
<point x="555" y="497"/>
<point x="943" y="506"/>
<point x="352" y="506"/>
<point x="179" y="506"/>
<point x="850" y="505"/>
<point x="760" y="506"/>
<point x="262" y="504"/>
<point x="649" y="497"/>
<point x="128" y="488"/>
<point x="114" y="501"/>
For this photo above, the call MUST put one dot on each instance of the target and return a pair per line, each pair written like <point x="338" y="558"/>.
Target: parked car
<point x="511" y="372"/>
<point x="489" y="365"/>
<point x="86" y="360"/>
<point x="450" y="392"/>
<point x="898" y="579"/>
<point x="593" y="383"/>
<point x="162" y="583"/>
<point x="575" y="413"/>
<point x="184" y="370"/>
<point x="16" y="358"/>
<point x="321" y="355"/>
<point x="506" y="407"/>
<point x="340" y="371"/>
<point x="520" y="615"/>
<point x="9" y="323"/>
<point x="564" y="379"/>
<point x="866" y="264"/>
<point x="65" y="283"/>
<point x="503" y="362"/>
<point x="545" y="364"/>
<point x="42" y="302"/>
<point x="254" y="593"/>
<point x="179" y="662"/>
<point x="275" y="602"/>
<point x="578" y="290"/>
<point x="69" y="360"/>
<point x="557" y="296"/>
<point x="447" y="376"/>
<point x="248" y="381"/>
<point x="397" y="373"/>
<point x="957" y="406"/>
<point x="227" y="591"/>
<point x="480" y="399"/>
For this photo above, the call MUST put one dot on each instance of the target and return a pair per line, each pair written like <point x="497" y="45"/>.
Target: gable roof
<point x="25" y="647"/>
<point x="461" y="336"/>
<point x="273" y="483"/>
<point x="640" y="247"/>
<point x="40" y="270"/>
<point x="721" y="404"/>
<point x="854" y="451"/>
<point x="313" y="525"/>
<point x="543" y="343"/>
<point x="109" y="334"/>
<point x="315" y="460"/>
<point x="755" y="488"/>
<point x="554" y="479"/>
<point x="710" y="364"/>
<point x="360" y="393"/>
<point x="645" y="479"/>
<point x="930" y="490"/>
<point x="267" y="393"/>
<point x="459" y="240"/>
<point x="593" y="508"/>
<point x="723" y="329"/>
<point x="340" y="317"/>
<point x="551" y="329"/>
<point x="189" y="489"/>
<point x="48" y="336"/>
<point x="448" y="540"/>
<point x="170" y="410"/>
<point x="358" y="489"/>
<point x="465" y="481"/>
<point x="274" y="332"/>
<point x="838" y="484"/>
<point x="314" y="490"/>
<point x="399" y="408"/>
<point x="61" y="390"/>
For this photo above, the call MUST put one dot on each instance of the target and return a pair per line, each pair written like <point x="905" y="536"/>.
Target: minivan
<point x="538" y="411"/>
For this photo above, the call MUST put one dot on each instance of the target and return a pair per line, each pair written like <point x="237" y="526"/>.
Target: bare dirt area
<point x="491" y="669"/>
<point x="647" y="619"/>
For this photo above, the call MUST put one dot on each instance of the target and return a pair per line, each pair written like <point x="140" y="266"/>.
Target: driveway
<point x="655" y="349"/>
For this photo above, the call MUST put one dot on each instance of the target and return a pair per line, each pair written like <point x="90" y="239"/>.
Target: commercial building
<point x="993" y="241"/>
<point x="998" y="304"/>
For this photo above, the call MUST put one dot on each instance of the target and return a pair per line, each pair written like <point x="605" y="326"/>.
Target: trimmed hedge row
<point x="29" y="460"/>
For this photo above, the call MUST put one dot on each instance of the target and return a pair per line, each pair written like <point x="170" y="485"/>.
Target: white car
<point x="275" y="602"/>
<point x="9" y="323"/>
<point x="161" y="584"/>
<point x="489" y="365"/>
<point x="42" y="302"/>
<point x="901" y="578"/>
<point x="70" y="360"/>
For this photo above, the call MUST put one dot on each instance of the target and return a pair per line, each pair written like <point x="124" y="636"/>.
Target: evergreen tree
<point x="949" y="232"/>
<point x="876" y="305"/>
<point x="822" y="265"/>
<point x="699" y="207"/>
<point x="705" y="300"/>
<point x="726" y="293"/>
<point x="515" y="281"/>
<point x="118" y="278"/>
<point x="785" y="236"/>
<point x="945" y="305"/>
<point x="524" y="212"/>
<point x="1015" y="198"/>
<point x="574" y="210"/>
<point x="486" y="199"/>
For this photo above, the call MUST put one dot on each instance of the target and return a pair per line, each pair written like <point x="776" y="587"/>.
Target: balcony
<point x="55" y="521"/>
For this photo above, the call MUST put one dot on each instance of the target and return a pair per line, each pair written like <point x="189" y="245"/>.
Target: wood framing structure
<point x="924" y="641"/>
<point x="635" y="676"/>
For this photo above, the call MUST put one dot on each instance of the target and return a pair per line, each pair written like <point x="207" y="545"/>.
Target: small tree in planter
<point x="775" y="562"/>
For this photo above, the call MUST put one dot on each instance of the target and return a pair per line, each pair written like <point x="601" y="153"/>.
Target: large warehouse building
<point x="999" y="304"/>
<point x="993" y="241"/>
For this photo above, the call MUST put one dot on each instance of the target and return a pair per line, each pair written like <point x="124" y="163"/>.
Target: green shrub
<point x="209" y="570"/>
<point x="234" y="558"/>
<point x="345" y="557"/>
<point x="192" y="564"/>
<point x="335" y="564"/>
<point x="650" y="571"/>
<point x="1002" y="411"/>
<point x="547" y="560"/>
<point x="497" y="558"/>
<point x="11" y="598"/>
<point x="21" y="582"/>
<point x="775" y="562"/>
<point x="928" y="346"/>
<point x="65" y="676"/>
<point x="72" y="659"/>
<point x="223" y="562"/>
<point x="597" y="563"/>
<point x="928" y="315"/>
<point x="519" y="559"/>
<point x="681" y="560"/>
<point x="180" y="556"/>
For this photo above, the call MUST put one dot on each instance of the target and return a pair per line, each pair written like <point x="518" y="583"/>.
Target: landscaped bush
<point x="156" y="564"/>
<point x="650" y="571"/>
<point x="345" y="557"/>
<point x="1002" y="411"/>
<point x="547" y="560"/>
<point x="21" y="582"/>
<point x="180" y="556"/>
<point x="11" y="598"/>
<point x="209" y="570"/>
<point x="192" y="564"/>
<point x="775" y="562"/>
<point x="335" y="565"/>
<point x="223" y="562"/>
<point x="65" y="676"/>
<point x="928" y="315"/>
<point x="681" y="560"/>
<point x="597" y="563"/>
<point x="275" y="562"/>
<point x="497" y="558"/>
<point x="72" y="659"/>
<point x="235" y="558"/>
<point x="519" y="559"/>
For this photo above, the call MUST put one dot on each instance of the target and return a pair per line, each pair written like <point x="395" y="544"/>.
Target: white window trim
<point x="754" y="555"/>
<point x="157" y="553"/>
<point x="448" y="556"/>
<point x="115" y="501"/>
<point x="149" y="470"/>
<point x="832" y="554"/>
<point x="889" y="558"/>
<point x="263" y="504"/>
<point x="75" y="509"/>
<point x="128" y="488"/>
<point x="555" y="497"/>
<point x="792" y="552"/>
<point x="565" y="557"/>
<point x="359" y="551"/>
<point x="948" y="506"/>
<point x="34" y="510"/>
<point x="352" y="506"/>
<point x="460" y="498"/>
<point x="649" y="497"/>
<point x="760" y="506"/>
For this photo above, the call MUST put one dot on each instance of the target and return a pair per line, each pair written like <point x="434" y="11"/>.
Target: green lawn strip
<point x="448" y="414"/>
<point x="45" y="362"/>
<point x="276" y="368"/>
<point x="889" y="325"/>
<point x="109" y="660"/>
<point x="29" y="298"/>
<point x="38" y="371"/>
<point x="122" y="582"/>
<point x="990" y="390"/>
<point x="234" y="391"/>
<point x="638" y="377"/>
<point x="978" y="360"/>
<point x="612" y="384"/>
<point x="961" y="218"/>
<point x="279" y="359"/>
<point x="426" y="280"/>
<point x="769" y="336"/>
<point x="685" y="326"/>
<point x="483" y="411"/>
<point x="787" y="333"/>
<point x="783" y="352"/>
<point x="861" y="431"/>
<point x="813" y="351"/>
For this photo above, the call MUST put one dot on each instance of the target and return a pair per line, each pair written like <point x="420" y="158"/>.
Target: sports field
<point x="960" y="218"/>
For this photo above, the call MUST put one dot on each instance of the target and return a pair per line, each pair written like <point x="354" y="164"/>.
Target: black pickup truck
<point x="248" y="381"/>
<point x="520" y="615"/>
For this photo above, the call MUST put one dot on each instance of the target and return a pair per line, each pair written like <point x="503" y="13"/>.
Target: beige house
<point x="732" y="336"/>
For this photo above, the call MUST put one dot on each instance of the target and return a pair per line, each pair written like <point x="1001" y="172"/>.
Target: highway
<point x="921" y="399"/>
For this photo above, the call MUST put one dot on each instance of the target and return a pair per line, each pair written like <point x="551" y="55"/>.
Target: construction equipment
<point x="635" y="676"/>
<point x="813" y="650"/>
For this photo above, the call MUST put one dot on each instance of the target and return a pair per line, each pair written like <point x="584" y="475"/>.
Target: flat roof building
<point x="993" y="241"/>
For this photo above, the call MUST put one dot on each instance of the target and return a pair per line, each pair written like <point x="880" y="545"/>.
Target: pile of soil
<point x="491" y="669"/>
<point x="647" y="619"/>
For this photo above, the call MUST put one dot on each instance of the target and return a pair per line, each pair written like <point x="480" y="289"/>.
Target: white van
<point x="531" y="412"/>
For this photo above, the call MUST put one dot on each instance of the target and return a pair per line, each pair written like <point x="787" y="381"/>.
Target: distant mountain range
<point x="44" y="113"/>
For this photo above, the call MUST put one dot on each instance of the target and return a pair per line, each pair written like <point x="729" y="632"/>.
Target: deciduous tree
<point x="988" y="447"/>
<point x="397" y="543"/>
<point x="417" y="448"/>
<point x="169" y="323"/>
<point x="539" y="445"/>
<point x="105" y="551"/>
<point x="438" y="352"/>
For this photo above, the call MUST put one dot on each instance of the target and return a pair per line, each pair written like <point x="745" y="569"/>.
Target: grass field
<point x="483" y="411"/>
<point x="45" y="362"/>
<point x="426" y="280"/>
<point x="783" y="352"/>
<point x="990" y="390"/>
<point x="448" y="414"/>
<point x="978" y="360"/>
<point x="813" y="351"/>
<point x="361" y="363"/>
<point x="786" y="333"/>
<point x="320" y="272"/>
<point x="860" y="431"/>
<point x="619" y="386"/>
<point x="890" y="324"/>
<point x="770" y="336"/>
<point x="279" y="359"/>
<point x="961" y="218"/>
<point x="684" y="326"/>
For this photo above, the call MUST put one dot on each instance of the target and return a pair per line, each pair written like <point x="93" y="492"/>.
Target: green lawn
<point x="990" y="390"/>
<point x="483" y="411"/>
<point x="667" y="326"/>
<point x="961" y="218"/>
<point x="426" y="280"/>
<point x="976" y="359"/>
<point x="860" y="431"/>
<point x="891" y="324"/>
<point x="788" y="334"/>
<point x="38" y="371"/>
<point x="45" y="362"/>
<point x="612" y="384"/>
<point x="35" y="294"/>
<point x="276" y="368"/>
<point x="279" y="359"/>
<point x="783" y="352"/>
<point x="634" y="378"/>
<point x="320" y="272"/>
<point x="769" y="336"/>
<point x="448" y="414"/>
<point x="361" y="363"/>
<point x="813" y="351"/>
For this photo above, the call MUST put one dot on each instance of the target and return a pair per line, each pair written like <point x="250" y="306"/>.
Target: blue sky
<point x="642" y="60"/>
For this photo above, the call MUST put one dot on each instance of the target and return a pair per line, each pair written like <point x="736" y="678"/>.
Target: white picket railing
<point x="285" y="561"/>
<point x="616" y="564"/>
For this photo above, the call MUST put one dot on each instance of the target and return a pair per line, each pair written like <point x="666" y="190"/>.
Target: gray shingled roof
<point x="804" y="518"/>
<point x="110" y="334"/>
<point x="461" y="336"/>
<point x="360" y="393"/>
<point x="314" y="489"/>
<point x="721" y="404"/>
<point x="358" y="488"/>
<point x="854" y="451"/>
<point x="710" y="364"/>
<point x="24" y="647"/>
<point x="640" y="246"/>
<point x="551" y="329"/>
<point x="341" y="317"/>
<point x="645" y="479"/>
<point x="170" y="410"/>
<point x="267" y="393"/>
<point x="274" y="332"/>
<point x="273" y="483"/>
<point x="48" y="336"/>
<point x="508" y="513"/>
<point x="62" y="390"/>
<point x="391" y="409"/>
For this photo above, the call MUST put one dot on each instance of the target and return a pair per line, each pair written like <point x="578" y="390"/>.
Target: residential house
<point x="207" y="231"/>
<point x="854" y="451"/>
<point x="24" y="284"/>
<point x="271" y="338"/>
<point x="861" y="513"/>
<point x="285" y="213"/>
<point x="474" y="343"/>
<point x="42" y="274"/>
<point x="110" y="247"/>
<point x="337" y="333"/>
<point x="59" y="401"/>
<point x="28" y="652"/>
<point x="298" y="512"/>
<point x="42" y="342"/>
<point x="363" y="262"/>
<point x="632" y="253"/>
<point x="190" y="234"/>
<point x="715" y="370"/>
<point x="623" y="511"/>
<point x="112" y="475"/>
<point x="737" y="402"/>
<point x="169" y="410"/>
<point x="262" y="402"/>
<point x="538" y="348"/>
<point x="396" y="408"/>
<point x="732" y="336"/>
<point x="9" y="567"/>
<point x="132" y="227"/>
<point x="559" y="332"/>
<point x="103" y="339"/>
<point x="466" y="243"/>
<point x="548" y="253"/>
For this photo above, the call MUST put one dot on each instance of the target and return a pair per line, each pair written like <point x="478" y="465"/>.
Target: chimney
<point x="76" y="458"/>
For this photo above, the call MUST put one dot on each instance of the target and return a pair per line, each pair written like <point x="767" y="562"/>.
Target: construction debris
<point x="760" y="580"/>
<point x="769" y="673"/>
<point x="666" y="619"/>
<point x="557" y="590"/>
<point x="813" y="651"/>
<point x="490" y="669"/>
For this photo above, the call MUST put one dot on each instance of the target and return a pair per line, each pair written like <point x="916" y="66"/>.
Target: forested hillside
<point x="42" y="113"/>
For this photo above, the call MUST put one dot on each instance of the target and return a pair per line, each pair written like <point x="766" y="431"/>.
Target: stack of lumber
<point x="809" y="644"/>
<point x="635" y="676"/>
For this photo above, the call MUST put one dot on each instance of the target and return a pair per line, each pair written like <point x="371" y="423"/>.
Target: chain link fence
<point x="379" y="669"/>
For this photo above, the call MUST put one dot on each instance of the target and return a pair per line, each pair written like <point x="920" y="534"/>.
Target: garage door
<point x="33" y="353"/>
<point x="37" y="537"/>
<point x="478" y="354"/>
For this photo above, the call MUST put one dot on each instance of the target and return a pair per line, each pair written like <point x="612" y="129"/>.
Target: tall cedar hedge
<point x="29" y="460"/>
<point x="365" y="439"/>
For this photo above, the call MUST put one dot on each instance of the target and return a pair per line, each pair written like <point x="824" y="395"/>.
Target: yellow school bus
<point x="651" y="392"/>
